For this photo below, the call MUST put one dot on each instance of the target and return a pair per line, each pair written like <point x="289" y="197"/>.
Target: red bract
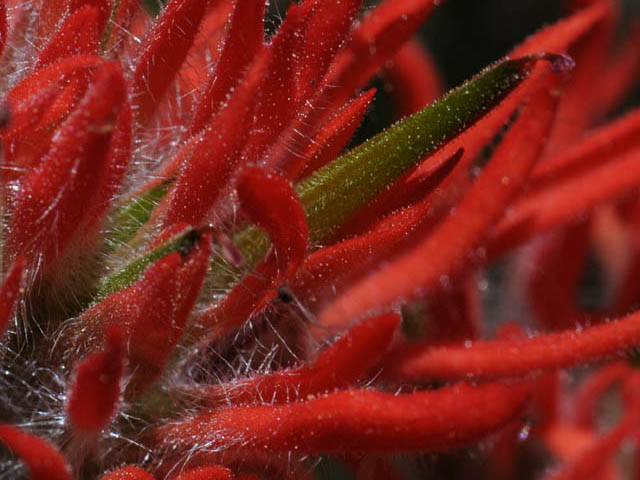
<point x="42" y="459"/>
<point x="96" y="388"/>
<point x="201" y="282"/>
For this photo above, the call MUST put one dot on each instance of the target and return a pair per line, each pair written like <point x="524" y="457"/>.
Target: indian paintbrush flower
<point x="201" y="281"/>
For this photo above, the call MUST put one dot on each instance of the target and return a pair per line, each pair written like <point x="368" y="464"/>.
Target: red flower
<point x="200" y="284"/>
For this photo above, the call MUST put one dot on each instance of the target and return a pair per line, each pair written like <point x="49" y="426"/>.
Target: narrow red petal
<point x="128" y="473"/>
<point x="42" y="459"/>
<point x="327" y="29"/>
<point x="79" y="35"/>
<point x="564" y="33"/>
<point x="557" y="205"/>
<point x="10" y="292"/>
<point x="621" y="73"/>
<point x="448" y="247"/>
<point x="271" y="203"/>
<point x="342" y="364"/>
<point x="336" y="265"/>
<point x="56" y="73"/>
<point x="166" y="48"/>
<point x="244" y="40"/>
<point x="500" y="358"/>
<point x="206" y="473"/>
<point x="601" y="145"/>
<point x="355" y="421"/>
<point x="95" y="391"/>
<point x="331" y="139"/>
<point x="574" y="114"/>
<point x="275" y="107"/>
<point x="34" y="121"/>
<point x="414" y="78"/>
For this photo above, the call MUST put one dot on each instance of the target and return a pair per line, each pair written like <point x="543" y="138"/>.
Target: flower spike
<point x="42" y="459"/>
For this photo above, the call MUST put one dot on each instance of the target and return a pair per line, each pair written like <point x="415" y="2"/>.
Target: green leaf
<point x="340" y="189"/>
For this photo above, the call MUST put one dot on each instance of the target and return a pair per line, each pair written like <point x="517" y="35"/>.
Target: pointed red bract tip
<point x="331" y="139"/>
<point x="342" y="364"/>
<point x="166" y="48"/>
<point x="270" y="202"/>
<point x="79" y="35"/>
<point x="42" y="459"/>
<point x="10" y="292"/>
<point x="378" y="36"/>
<point x="128" y="473"/>
<point x="206" y="473"/>
<point x="327" y="29"/>
<point x="95" y="390"/>
<point x="244" y="40"/>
